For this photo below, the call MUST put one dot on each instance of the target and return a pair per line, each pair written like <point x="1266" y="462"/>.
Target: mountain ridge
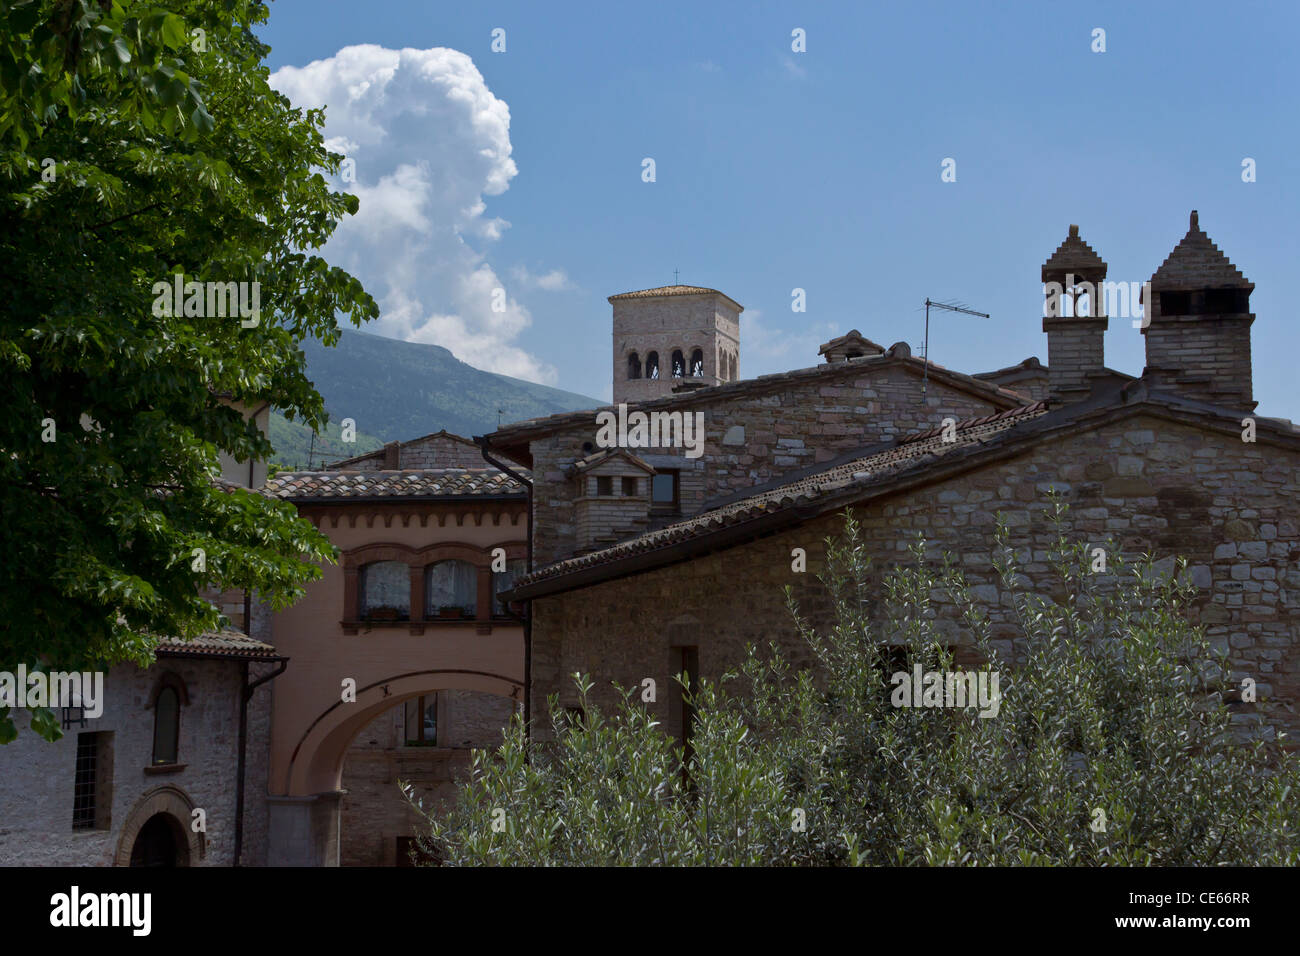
<point x="397" y="391"/>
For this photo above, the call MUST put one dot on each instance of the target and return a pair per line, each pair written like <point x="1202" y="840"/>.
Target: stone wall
<point x="1212" y="353"/>
<point x="432" y="451"/>
<point x="374" y="813"/>
<point x="1074" y="350"/>
<point x="37" y="777"/>
<point x="1233" y="509"/>
<point x="754" y="438"/>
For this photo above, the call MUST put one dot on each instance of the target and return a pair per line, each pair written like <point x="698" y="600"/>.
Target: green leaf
<point x="173" y="31"/>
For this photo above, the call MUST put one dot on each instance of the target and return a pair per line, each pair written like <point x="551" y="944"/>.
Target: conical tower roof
<point x="1196" y="264"/>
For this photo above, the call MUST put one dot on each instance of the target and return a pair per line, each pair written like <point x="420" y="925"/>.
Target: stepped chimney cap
<point x="1074" y="257"/>
<point x="1196" y="263"/>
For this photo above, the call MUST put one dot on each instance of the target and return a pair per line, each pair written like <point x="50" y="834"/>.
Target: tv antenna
<point x="925" y="378"/>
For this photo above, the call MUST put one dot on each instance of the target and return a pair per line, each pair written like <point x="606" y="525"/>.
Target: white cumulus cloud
<point x="430" y="142"/>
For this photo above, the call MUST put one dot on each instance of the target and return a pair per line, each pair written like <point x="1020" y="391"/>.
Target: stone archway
<point x="305" y="819"/>
<point x="173" y="807"/>
<point x="317" y="762"/>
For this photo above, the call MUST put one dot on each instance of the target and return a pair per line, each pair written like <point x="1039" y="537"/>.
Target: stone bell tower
<point x="673" y="337"/>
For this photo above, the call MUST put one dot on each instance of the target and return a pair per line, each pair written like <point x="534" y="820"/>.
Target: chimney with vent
<point x="1197" y="322"/>
<point x="1074" y="318"/>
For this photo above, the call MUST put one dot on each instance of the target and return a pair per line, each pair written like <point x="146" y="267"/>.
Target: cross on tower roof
<point x="675" y="282"/>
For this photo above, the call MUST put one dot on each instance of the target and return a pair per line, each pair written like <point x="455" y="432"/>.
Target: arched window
<point x="166" y="725"/>
<point x="634" y="366"/>
<point x="504" y="581"/>
<point x="652" y="365"/>
<point x="451" y="589"/>
<point x="731" y="365"/>
<point x="679" y="364"/>
<point x="697" y="363"/>
<point x="385" y="588"/>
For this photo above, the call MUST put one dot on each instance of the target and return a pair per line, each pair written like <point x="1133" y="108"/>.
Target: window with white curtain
<point x="450" y="586"/>
<point x="385" y="588"/>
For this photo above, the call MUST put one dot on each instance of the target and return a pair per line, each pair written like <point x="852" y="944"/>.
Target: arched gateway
<point x="409" y="613"/>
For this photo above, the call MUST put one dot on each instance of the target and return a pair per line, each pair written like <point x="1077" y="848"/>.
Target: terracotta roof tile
<point x="223" y="643"/>
<point x="870" y="468"/>
<point x="666" y="290"/>
<point x="411" y="483"/>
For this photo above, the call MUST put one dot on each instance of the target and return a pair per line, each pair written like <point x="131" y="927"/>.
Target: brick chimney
<point x="1072" y="280"/>
<point x="1197" y="324"/>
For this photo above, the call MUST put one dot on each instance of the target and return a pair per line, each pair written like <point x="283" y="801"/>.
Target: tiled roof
<point x="834" y="479"/>
<point x="223" y="643"/>
<point x="415" y="483"/>
<point x="1031" y="364"/>
<point x="1196" y="263"/>
<point x="665" y="290"/>
<point x="524" y="431"/>
<point x="853" y="336"/>
<point x="1073" y="255"/>
<point x="595" y="458"/>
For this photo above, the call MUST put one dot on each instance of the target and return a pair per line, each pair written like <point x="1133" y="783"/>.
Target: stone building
<point x="173" y="770"/>
<point x="1173" y="462"/>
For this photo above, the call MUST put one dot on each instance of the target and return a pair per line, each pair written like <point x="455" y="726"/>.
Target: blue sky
<point x="817" y="170"/>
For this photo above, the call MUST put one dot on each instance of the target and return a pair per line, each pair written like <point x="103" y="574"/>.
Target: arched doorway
<point x="157" y="827"/>
<point x="160" y="842"/>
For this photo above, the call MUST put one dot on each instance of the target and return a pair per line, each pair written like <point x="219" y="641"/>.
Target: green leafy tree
<point x="139" y="142"/>
<point x="1111" y="742"/>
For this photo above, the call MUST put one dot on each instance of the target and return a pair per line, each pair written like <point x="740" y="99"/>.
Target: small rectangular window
<point x="604" y="485"/>
<point x="629" y="487"/>
<point x="664" y="490"/>
<point x="422" y="721"/>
